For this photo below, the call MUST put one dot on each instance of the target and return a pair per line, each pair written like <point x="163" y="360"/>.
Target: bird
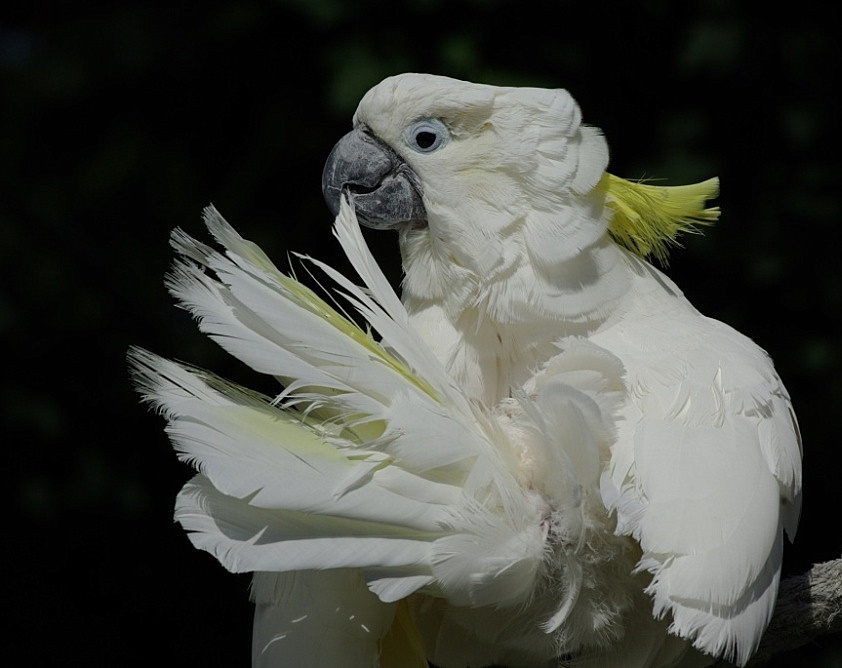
<point x="540" y="454"/>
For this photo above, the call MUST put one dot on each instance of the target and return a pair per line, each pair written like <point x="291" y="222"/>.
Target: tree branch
<point x="809" y="605"/>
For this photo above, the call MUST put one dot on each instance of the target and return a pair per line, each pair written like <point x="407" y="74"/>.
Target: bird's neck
<point x="493" y="335"/>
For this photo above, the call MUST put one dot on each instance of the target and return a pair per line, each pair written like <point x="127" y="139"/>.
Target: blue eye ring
<point x="427" y="135"/>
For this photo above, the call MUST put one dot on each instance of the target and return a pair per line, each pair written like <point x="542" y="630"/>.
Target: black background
<point x="119" y="122"/>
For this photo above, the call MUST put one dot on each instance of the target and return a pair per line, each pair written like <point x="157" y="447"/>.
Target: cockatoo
<point x="545" y="455"/>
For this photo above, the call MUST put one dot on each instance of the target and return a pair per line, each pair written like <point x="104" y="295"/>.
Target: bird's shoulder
<point x="689" y="376"/>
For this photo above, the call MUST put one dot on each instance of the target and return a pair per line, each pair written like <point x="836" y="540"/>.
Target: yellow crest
<point x="648" y="218"/>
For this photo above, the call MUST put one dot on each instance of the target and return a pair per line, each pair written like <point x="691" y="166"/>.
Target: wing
<point x="372" y="478"/>
<point x="706" y="473"/>
<point x="369" y="460"/>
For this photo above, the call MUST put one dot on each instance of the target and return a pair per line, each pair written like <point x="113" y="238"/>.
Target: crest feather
<point x="648" y="218"/>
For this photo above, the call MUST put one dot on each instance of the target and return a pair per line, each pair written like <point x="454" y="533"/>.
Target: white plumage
<point x="546" y="457"/>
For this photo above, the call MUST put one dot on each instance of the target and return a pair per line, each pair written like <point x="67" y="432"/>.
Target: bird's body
<point x="684" y="374"/>
<point x="551" y="459"/>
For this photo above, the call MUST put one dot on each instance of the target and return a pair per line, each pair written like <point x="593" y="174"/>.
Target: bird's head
<point x="474" y="176"/>
<point x="481" y="181"/>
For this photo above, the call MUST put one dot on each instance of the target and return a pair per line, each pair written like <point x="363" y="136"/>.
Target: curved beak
<point x="382" y="188"/>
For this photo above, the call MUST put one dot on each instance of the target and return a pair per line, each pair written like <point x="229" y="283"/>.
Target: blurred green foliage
<point x="119" y="121"/>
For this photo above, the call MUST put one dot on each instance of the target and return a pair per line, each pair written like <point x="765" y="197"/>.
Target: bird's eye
<point x="427" y="136"/>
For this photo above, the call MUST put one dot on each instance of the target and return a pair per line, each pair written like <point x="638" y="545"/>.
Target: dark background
<point x="119" y="122"/>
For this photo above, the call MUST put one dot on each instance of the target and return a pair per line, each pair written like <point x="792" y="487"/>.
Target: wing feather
<point x="705" y="474"/>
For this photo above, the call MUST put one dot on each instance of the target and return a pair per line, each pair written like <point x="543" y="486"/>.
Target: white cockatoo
<point x="545" y="455"/>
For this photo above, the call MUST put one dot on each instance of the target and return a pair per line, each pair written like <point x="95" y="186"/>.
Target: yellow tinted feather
<point x="648" y="218"/>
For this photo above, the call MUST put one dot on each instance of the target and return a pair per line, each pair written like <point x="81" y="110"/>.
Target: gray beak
<point x="383" y="190"/>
